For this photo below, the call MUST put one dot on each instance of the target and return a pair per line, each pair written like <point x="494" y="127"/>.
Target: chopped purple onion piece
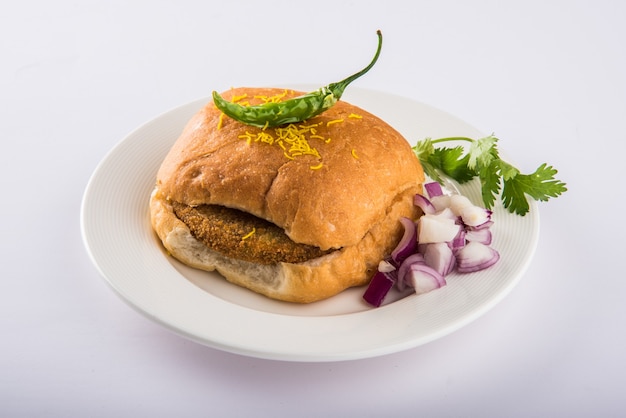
<point x="416" y="258"/>
<point x="479" y="235"/>
<point x="424" y="204"/>
<point x="485" y="225"/>
<point x="458" y="241"/>
<point x="433" y="189"/>
<point x="378" y="288"/>
<point x="423" y="278"/>
<point x="408" y="242"/>
<point x="475" y="256"/>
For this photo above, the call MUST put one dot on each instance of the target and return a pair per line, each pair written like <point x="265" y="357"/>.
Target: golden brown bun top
<point x="330" y="201"/>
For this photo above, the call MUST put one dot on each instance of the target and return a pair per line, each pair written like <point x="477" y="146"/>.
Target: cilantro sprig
<point x="482" y="160"/>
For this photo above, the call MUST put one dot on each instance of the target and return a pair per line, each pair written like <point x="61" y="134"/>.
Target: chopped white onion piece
<point x="440" y="257"/>
<point x="440" y="202"/>
<point x="436" y="228"/>
<point x="458" y="203"/>
<point x="385" y="266"/>
<point x="474" y="215"/>
<point x="479" y="235"/>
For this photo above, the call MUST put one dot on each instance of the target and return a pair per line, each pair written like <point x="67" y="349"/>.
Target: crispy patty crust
<point x="243" y="236"/>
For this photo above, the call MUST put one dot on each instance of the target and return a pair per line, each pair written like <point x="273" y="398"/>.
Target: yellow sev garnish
<point x="249" y="234"/>
<point x="277" y="98"/>
<point x="330" y="122"/>
<point x="292" y="138"/>
<point x="238" y="99"/>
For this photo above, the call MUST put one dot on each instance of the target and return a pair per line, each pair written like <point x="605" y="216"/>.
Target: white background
<point x="548" y="77"/>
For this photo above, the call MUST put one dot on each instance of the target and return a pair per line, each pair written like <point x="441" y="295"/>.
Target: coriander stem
<point x="452" y="138"/>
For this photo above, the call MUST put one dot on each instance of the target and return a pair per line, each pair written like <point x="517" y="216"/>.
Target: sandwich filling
<point x="243" y="236"/>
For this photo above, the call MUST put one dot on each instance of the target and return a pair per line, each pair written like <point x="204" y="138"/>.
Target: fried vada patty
<point x="243" y="236"/>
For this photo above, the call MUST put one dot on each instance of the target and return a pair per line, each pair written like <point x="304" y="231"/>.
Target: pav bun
<point x="339" y="182"/>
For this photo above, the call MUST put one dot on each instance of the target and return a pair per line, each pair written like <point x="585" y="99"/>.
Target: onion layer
<point x="475" y="256"/>
<point x="408" y="243"/>
<point x="423" y="278"/>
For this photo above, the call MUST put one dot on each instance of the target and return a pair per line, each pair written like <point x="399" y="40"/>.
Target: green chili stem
<point x="293" y="110"/>
<point x="339" y="87"/>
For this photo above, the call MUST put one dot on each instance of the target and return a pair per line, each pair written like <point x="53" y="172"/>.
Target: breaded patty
<point x="243" y="236"/>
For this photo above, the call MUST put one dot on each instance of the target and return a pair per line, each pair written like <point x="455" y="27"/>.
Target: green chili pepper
<point x="293" y="110"/>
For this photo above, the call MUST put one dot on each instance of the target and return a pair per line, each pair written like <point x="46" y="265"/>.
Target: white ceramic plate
<point x="205" y="308"/>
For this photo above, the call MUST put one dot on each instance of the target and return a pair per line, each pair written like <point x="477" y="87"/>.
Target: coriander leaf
<point x="482" y="152"/>
<point x="507" y="171"/>
<point x="453" y="163"/>
<point x="540" y="185"/>
<point x="449" y="161"/>
<point x="490" y="183"/>
<point x="424" y="150"/>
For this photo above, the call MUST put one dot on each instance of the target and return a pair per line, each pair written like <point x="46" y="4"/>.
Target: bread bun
<point x="338" y="181"/>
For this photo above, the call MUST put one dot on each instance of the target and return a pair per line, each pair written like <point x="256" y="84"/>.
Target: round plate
<point x="206" y="308"/>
